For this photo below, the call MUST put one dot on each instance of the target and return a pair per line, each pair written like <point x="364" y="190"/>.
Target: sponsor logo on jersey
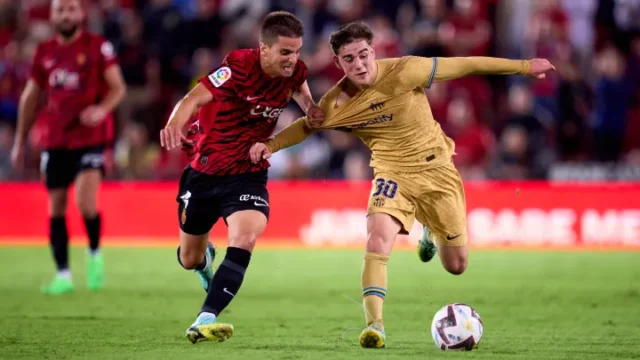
<point x="376" y="105"/>
<point x="257" y="200"/>
<point x="62" y="78"/>
<point x="376" y="120"/>
<point x="268" y="112"/>
<point x="220" y="76"/>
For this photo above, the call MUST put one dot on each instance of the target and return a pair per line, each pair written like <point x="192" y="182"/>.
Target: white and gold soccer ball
<point x="456" y="327"/>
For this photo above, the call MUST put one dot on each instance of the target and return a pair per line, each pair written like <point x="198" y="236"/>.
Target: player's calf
<point x="191" y="256"/>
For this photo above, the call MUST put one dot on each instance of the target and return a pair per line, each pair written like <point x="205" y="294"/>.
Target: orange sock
<point x="374" y="286"/>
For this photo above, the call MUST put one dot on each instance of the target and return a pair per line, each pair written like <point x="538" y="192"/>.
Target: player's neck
<point x="68" y="40"/>
<point x="351" y="89"/>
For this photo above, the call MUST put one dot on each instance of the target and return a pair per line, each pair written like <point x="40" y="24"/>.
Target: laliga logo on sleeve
<point x="220" y="76"/>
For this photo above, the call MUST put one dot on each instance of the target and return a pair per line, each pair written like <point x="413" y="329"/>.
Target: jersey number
<point x="387" y="188"/>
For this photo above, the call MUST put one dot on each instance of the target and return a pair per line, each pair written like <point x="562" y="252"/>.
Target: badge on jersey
<point x="107" y="50"/>
<point x="220" y="76"/>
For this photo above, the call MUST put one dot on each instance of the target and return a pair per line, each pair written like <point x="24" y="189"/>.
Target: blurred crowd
<point x="504" y="127"/>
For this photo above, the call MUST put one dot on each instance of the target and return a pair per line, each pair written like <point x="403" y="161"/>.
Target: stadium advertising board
<point x="330" y="214"/>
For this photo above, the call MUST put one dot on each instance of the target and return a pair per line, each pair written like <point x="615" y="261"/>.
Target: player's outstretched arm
<point x="172" y="136"/>
<point x="305" y="100"/>
<point x="456" y="67"/>
<point x="291" y="135"/>
<point x="27" y="108"/>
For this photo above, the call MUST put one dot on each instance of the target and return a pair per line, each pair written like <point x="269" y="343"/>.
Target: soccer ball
<point x="456" y="327"/>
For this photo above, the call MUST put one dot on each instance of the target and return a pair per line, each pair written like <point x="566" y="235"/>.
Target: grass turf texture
<point x="535" y="305"/>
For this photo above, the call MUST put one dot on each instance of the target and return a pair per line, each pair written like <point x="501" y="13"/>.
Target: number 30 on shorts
<point x="387" y="188"/>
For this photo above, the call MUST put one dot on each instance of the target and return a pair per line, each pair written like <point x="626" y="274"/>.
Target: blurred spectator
<point x="6" y="142"/>
<point x="522" y="115"/>
<point x="423" y="37"/>
<point x="134" y="155"/>
<point x="466" y="33"/>
<point x="574" y="107"/>
<point x="612" y="96"/>
<point x="513" y="160"/>
<point x="13" y="76"/>
<point x="301" y="160"/>
<point x="474" y="141"/>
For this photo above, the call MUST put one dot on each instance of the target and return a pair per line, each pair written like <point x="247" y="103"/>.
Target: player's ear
<point x="373" y="52"/>
<point x="264" y="49"/>
<point x="337" y="62"/>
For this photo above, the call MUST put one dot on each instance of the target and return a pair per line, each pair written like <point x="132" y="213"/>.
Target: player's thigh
<point x="245" y="226"/>
<point x="89" y="167"/>
<point x="454" y="258"/>
<point x="87" y="184"/>
<point x="390" y="211"/>
<point x="441" y="206"/>
<point x="382" y="230"/>
<point x="196" y="217"/>
<point x="245" y="208"/>
<point x="391" y="195"/>
<point x="57" y="169"/>
<point x="198" y="211"/>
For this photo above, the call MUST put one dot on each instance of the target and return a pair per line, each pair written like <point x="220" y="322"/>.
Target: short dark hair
<point x="280" y="23"/>
<point x="349" y="33"/>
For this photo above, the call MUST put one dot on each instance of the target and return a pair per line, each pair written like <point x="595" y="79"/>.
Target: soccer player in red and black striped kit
<point x="237" y="105"/>
<point x="80" y="75"/>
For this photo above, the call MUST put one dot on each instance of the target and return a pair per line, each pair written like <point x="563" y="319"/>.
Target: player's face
<point x="66" y="16"/>
<point x="281" y="57"/>
<point x="357" y="60"/>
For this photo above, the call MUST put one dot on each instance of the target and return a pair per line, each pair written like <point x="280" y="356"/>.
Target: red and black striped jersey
<point x="245" y="109"/>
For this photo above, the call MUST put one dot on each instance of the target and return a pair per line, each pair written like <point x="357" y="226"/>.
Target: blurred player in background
<point x="80" y="76"/>
<point x="384" y="104"/>
<point x="237" y="105"/>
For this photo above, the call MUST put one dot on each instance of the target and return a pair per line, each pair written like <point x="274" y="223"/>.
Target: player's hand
<point x="93" y="115"/>
<point x="540" y="67"/>
<point x="172" y="137"/>
<point x="17" y="157"/>
<point x="259" y="152"/>
<point x="315" y="115"/>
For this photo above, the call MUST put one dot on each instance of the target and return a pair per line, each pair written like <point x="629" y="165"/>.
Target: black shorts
<point x="60" y="166"/>
<point x="204" y="198"/>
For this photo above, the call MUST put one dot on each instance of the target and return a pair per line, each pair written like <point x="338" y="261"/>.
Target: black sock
<point x="200" y="266"/>
<point x="59" y="241"/>
<point x="93" y="227"/>
<point x="227" y="280"/>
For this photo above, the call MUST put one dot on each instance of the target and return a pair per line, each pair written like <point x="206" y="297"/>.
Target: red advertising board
<point x="333" y="213"/>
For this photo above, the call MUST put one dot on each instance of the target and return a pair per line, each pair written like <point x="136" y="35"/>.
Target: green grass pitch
<point x="294" y="305"/>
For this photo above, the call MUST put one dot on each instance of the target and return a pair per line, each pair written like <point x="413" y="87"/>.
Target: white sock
<point x="64" y="273"/>
<point x="94" y="252"/>
<point x="206" y="315"/>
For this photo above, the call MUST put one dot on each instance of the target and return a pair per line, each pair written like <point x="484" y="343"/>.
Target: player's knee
<point x="377" y="243"/>
<point x="245" y="240"/>
<point x="189" y="258"/>
<point x="456" y="265"/>
<point x="57" y="204"/>
<point x="87" y="208"/>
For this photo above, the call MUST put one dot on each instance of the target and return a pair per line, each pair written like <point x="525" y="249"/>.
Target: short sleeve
<point x="416" y="71"/>
<point x="37" y="72"/>
<point x="224" y="81"/>
<point x="108" y="54"/>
